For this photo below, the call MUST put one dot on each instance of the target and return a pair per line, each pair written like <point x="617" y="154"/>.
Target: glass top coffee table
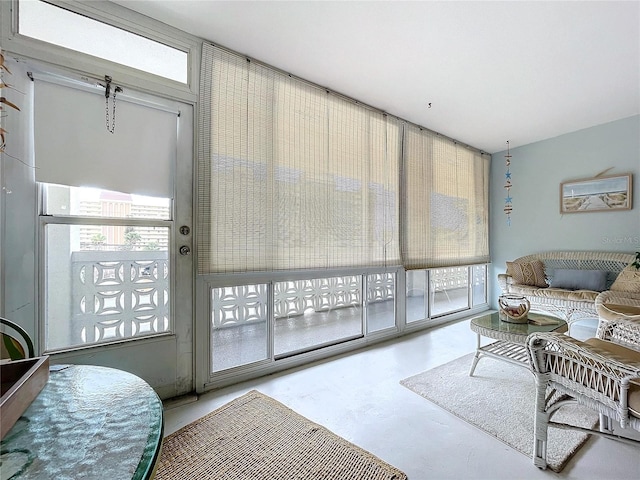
<point x="510" y="337"/>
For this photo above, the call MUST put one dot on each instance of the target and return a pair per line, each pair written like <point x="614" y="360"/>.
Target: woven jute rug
<point x="255" y="437"/>
<point x="500" y="400"/>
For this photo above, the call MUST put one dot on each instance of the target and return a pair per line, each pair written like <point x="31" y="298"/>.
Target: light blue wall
<point x="537" y="170"/>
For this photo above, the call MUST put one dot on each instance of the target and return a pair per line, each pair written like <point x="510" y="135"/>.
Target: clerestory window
<point x="64" y="28"/>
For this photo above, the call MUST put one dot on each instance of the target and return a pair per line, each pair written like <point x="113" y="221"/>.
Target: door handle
<point x="184" y="250"/>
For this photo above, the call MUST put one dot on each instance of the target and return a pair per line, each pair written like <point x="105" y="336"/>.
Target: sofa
<point x="569" y="284"/>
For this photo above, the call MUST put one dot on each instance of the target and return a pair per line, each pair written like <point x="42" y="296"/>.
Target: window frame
<point x="45" y="219"/>
<point x="117" y="17"/>
<point x="435" y="318"/>
<point x="209" y="379"/>
<point x="206" y="379"/>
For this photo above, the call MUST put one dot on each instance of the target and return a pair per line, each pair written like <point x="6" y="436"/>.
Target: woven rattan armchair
<point x="597" y="373"/>
<point x="611" y="305"/>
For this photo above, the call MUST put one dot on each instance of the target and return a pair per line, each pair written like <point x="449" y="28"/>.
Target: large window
<point x="316" y="312"/>
<point x="436" y="292"/>
<point x="319" y="312"/>
<point x="106" y="266"/>
<point x="239" y="326"/>
<point x="307" y="314"/>
<point x="294" y="180"/>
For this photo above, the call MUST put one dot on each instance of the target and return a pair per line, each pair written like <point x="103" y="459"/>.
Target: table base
<point x="506" y="351"/>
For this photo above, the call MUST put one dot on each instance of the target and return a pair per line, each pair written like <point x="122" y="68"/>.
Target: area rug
<point x="256" y="437"/>
<point x="500" y="400"/>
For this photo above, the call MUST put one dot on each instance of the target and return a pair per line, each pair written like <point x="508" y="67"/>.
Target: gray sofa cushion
<point x="594" y="280"/>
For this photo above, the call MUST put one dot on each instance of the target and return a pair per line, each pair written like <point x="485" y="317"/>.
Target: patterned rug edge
<point x="394" y="472"/>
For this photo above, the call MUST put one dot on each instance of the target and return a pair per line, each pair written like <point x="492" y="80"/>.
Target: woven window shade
<point x="291" y="176"/>
<point x="445" y="202"/>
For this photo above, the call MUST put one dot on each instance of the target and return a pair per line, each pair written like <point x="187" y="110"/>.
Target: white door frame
<point x="164" y="361"/>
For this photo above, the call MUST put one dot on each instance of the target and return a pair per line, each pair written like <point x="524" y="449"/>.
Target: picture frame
<point x="598" y="194"/>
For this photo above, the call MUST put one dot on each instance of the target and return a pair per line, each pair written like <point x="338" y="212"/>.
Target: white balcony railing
<point x="118" y="295"/>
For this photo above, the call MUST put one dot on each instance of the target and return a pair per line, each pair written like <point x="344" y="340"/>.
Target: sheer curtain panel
<point x="291" y="176"/>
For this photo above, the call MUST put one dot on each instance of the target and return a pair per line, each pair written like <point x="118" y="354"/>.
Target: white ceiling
<point x="521" y="71"/>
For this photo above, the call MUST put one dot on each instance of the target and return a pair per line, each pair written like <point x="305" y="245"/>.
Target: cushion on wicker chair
<point x="625" y="354"/>
<point x="623" y="310"/>
<point x="528" y="273"/>
<point x="555" y="293"/>
<point x="628" y="280"/>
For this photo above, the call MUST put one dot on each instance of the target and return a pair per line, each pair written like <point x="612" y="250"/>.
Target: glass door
<point x="116" y="269"/>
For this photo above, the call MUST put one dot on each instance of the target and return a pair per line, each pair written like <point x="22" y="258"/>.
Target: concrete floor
<point x="358" y="396"/>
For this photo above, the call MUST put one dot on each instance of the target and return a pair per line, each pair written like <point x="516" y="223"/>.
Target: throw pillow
<point x="628" y="280"/>
<point x="528" y="273"/>
<point x="594" y="280"/>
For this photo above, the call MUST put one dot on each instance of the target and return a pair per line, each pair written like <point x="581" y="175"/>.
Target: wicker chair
<point x="602" y="373"/>
<point x="610" y="305"/>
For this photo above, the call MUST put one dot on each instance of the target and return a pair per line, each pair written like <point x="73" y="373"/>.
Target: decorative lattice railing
<point x="118" y="295"/>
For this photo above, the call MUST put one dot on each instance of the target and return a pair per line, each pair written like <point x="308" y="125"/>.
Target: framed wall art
<point x="596" y="194"/>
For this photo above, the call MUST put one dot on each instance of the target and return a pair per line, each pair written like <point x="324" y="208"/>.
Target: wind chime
<point x="508" y="205"/>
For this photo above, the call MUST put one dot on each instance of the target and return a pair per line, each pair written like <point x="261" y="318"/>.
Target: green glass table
<point x="88" y="422"/>
<point x="510" y="337"/>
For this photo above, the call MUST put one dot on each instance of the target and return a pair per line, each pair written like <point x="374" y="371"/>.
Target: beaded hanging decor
<point x="508" y="204"/>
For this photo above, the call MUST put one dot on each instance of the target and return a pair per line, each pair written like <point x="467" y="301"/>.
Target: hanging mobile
<point x="508" y="201"/>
